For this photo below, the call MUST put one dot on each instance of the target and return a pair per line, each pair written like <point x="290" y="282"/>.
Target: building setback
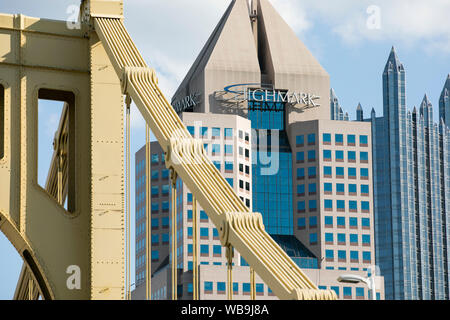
<point x="411" y="191"/>
<point x="259" y="101"/>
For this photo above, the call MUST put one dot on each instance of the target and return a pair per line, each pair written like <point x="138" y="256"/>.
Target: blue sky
<point x="350" y="38"/>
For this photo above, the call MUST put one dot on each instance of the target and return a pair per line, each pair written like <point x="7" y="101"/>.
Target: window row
<point x="216" y="132"/>
<point x="340" y="205"/>
<point x="204" y="233"/>
<point x="340" y="173"/>
<point x="347" y="292"/>
<point x="339" y="156"/>
<point x="328" y="189"/>
<point x="351" y="256"/>
<point x="155" y="174"/>
<point x="351" y="139"/>
<point x="342" y="239"/>
<point x="221" y="288"/>
<point x="342" y="222"/>
<point x="156" y="158"/>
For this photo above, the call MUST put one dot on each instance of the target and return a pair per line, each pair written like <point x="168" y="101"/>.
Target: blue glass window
<point x="327" y="171"/>
<point x="360" y="292"/>
<point x="352" y="172"/>
<point x="189" y="231"/>
<point x="353" y="238"/>
<point x="300" y="140"/>
<point x="351" y="155"/>
<point x="364" y="189"/>
<point x="340" y="204"/>
<point x="204" y="132"/>
<point x="155" y="207"/>
<point x="313" y="238"/>
<point x="165" y="189"/>
<point x="328" y="187"/>
<point x="215" y="132"/>
<point x="191" y="130"/>
<point x="246" y="287"/>
<point x="221" y="286"/>
<point x="228" y="132"/>
<point x="312" y="189"/>
<point x="366" y="239"/>
<point x="203" y="215"/>
<point x="313" y="222"/>
<point x="208" y="286"/>
<point x="329" y="254"/>
<point x="339" y="155"/>
<point x="353" y="222"/>
<point x="366" y="256"/>
<point x="365" y="206"/>
<point x="327" y="138"/>
<point x="328" y="204"/>
<point x="165" y="173"/>
<point x="301" y="222"/>
<point x="300" y="156"/>
<point x="365" y="222"/>
<point x="155" y="190"/>
<point x="300" y="173"/>
<point x="217" y="249"/>
<point x="347" y="292"/>
<point x="228" y="149"/>
<point x="364" y="156"/>
<point x="155" y="158"/>
<point x="363" y="140"/>
<point x="217" y="164"/>
<point x="155" y="254"/>
<point x="340" y="171"/>
<point x="300" y="189"/>
<point x="341" y="238"/>
<point x="341" y="221"/>
<point x="312" y="155"/>
<point x="339" y="138"/>
<point x="335" y="289"/>
<point x="155" y="174"/>
<point x="352" y="188"/>
<point x="364" y="173"/>
<point x="342" y="254"/>
<point x="259" y="288"/>
<point x="311" y="139"/>
<point x="204" y="232"/>
<point x="353" y="205"/>
<point x="230" y="181"/>
<point x="189" y="197"/>
<point x="229" y="166"/>
<point x="301" y="205"/>
<point x="340" y="188"/>
<point x="312" y="172"/>
<point x="326" y="154"/>
<point x="155" y="223"/>
<point x="329" y="237"/>
<point x="190" y="248"/>
<point x="354" y="255"/>
<point x="351" y="139"/>
<point x="328" y="221"/>
<point x="204" y="249"/>
<point x="215" y="149"/>
<point x="312" y="204"/>
<point x="165" y="222"/>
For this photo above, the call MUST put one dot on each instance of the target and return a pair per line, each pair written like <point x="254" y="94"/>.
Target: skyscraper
<point x="258" y="99"/>
<point x="444" y="103"/>
<point x="411" y="193"/>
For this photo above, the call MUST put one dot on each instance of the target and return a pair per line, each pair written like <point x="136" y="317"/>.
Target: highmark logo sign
<point x="254" y="92"/>
<point x="187" y="102"/>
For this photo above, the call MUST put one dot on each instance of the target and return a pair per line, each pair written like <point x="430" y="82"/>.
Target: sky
<point x="350" y="38"/>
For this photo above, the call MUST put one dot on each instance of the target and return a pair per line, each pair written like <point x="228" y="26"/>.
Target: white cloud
<point x="424" y="24"/>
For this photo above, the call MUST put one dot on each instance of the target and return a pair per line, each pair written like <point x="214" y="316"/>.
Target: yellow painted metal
<point x="252" y="284"/>
<point x="174" y="235"/>
<point x="148" y="275"/>
<point x="128" y="213"/>
<point x="229" y="255"/>
<point x="39" y="55"/>
<point x="236" y="224"/>
<point x="195" y="249"/>
<point x="26" y="288"/>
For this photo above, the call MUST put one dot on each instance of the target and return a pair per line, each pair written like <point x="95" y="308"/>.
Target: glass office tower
<point x="272" y="165"/>
<point x="411" y="193"/>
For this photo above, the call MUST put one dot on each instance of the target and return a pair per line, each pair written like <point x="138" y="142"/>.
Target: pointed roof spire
<point x="359" y="107"/>
<point x="414" y="110"/>
<point x="393" y="61"/>
<point x="446" y="90"/>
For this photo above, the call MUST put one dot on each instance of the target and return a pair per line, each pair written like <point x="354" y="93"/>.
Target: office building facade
<point x="411" y="183"/>
<point x="259" y="101"/>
